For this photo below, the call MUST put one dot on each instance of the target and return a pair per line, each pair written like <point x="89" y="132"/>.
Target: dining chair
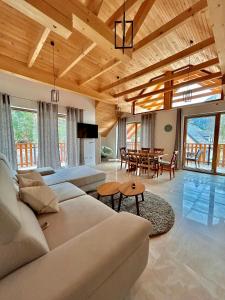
<point x="133" y="162"/>
<point x="145" y="149"/>
<point x="169" y="165"/>
<point x="123" y="157"/>
<point x="194" y="157"/>
<point x="147" y="164"/>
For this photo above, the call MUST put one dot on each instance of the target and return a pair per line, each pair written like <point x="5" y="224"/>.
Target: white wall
<point x="165" y="139"/>
<point x="33" y="91"/>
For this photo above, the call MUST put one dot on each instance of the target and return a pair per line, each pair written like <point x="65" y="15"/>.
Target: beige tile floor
<point x="188" y="263"/>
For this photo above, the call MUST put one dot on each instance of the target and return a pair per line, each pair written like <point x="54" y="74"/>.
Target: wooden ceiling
<point x="85" y="58"/>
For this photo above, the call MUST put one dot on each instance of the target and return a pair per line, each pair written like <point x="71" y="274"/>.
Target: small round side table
<point x="108" y="189"/>
<point x="126" y="189"/>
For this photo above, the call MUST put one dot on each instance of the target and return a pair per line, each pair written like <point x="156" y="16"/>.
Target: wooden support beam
<point x="20" y="69"/>
<point x="43" y="13"/>
<point x="206" y="94"/>
<point x="171" y="25"/>
<point x="95" y="29"/>
<point x="38" y="46"/>
<point x="140" y="18"/>
<point x="168" y="96"/>
<point x="90" y="46"/>
<point x="180" y="94"/>
<point x="163" y="63"/>
<point x="177" y="86"/>
<point x="119" y="12"/>
<point x="77" y="59"/>
<point x="173" y="76"/>
<point x="217" y="19"/>
<point x="108" y="66"/>
<point x="94" y="6"/>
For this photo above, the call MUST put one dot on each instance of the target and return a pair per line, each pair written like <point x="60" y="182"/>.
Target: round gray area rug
<point x="154" y="208"/>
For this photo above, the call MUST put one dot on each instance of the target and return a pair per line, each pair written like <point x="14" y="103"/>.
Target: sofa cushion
<point x="66" y="191"/>
<point x="41" y="199"/>
<point x="79" y="176"/>
<point x="28" y="244"/>
<point x="9" y="211"/>
<point x="30" y="179"/>
<point x="75" y="216"/>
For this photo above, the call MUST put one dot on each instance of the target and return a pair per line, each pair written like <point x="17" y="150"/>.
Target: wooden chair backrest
<point x="122" y="152"/>
<point x="174" y="158"/>
<point x="159" y="150"/>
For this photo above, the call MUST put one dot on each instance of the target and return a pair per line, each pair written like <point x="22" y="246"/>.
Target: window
<point x="26" y="137"/>
<point x="62" y="138"/>
<point x="134" y="136"/>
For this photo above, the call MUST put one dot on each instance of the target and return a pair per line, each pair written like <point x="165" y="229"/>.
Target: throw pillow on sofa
<point x="41" y="199"/>
<point x="30" y="179"/>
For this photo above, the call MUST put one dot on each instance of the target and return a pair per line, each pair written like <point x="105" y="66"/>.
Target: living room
<point x="112" y="149"/>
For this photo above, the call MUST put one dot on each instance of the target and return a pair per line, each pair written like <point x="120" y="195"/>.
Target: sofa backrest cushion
<point x="8" y="169"/>
<point x="9" y="211"/>
<point x="28" y="244"/>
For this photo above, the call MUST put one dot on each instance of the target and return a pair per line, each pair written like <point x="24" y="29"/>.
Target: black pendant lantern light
<point x="124" y="24"/>
<point x="54" y="91"/>
<point x="187" y="94"/>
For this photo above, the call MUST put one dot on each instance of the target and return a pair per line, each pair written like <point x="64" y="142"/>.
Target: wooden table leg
<point x="120" y="200"/>
<point x="142" y="197"/>
<point x="137" y="205"/>
<point x="112" y="200"/>
<point x="98" y="197"/>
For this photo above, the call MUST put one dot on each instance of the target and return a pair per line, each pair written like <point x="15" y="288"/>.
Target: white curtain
<point x="148" y="130"/>
<point x="48" y="139"/>
<point x="178" y="146"/>
<point x="75" y="146"/>
<point x="122" y="135"/>
<point x="7" y="142"/>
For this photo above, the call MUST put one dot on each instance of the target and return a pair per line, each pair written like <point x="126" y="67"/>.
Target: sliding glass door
<point x="221" y="147"/>
<point x="204" y="143"/>
<point x="199" y="143"/>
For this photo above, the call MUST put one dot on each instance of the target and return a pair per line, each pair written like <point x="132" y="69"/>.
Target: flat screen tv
<point x="87" y="131"/>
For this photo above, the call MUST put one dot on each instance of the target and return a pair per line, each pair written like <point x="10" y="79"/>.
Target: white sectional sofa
<point x="88" y="251"/>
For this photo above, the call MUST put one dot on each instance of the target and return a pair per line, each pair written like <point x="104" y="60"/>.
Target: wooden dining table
<point x="151" y="155"/>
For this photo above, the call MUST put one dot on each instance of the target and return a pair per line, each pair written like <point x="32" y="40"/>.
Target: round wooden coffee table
<point x="108" y="189"/>
<point x="127" y="190"/>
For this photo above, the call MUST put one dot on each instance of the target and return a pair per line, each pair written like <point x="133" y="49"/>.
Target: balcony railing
<point x="207" y="153"/>
<point x="27" y="154"/>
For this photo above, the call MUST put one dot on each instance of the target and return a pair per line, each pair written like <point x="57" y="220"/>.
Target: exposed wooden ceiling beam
<point x="75" y="61"/>
<point x="108" y="66"/>
<point x="205" y="94"/>
<point x="163" y="63"/>
<point x="119" y="12"/>
<point x="217" y="19"/>
<point x="20" y="69"/>
<point x="91" y="45"/>
<point x="38" y="46"/>
<point x="177" y="86"/>
<point x="43" y="13"/>
<point x="200" y="89"/>
<point x="171" y="25"/>
<point x="95" y="29"/>
<point x="173" y="76"/>
<point x="139" y="18"/>
<point x="94" y="5"/>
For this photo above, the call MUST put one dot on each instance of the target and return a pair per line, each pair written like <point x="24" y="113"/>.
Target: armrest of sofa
<point x="75" y="269"/>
